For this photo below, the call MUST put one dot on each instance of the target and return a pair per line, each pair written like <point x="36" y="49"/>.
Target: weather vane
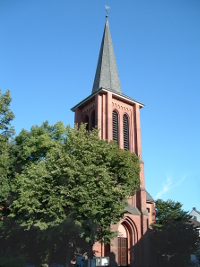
<point x="106" y="8"/>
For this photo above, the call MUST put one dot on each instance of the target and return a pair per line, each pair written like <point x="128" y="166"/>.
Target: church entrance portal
<point x="122" y="251"/>
<point x="127" y="239"/>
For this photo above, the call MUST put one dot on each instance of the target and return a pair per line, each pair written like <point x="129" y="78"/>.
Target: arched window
<point x="126" y="132"/>
<point x="86" y="120"/>
<point x="93" y="119"/>
<point x="115" y="126"/>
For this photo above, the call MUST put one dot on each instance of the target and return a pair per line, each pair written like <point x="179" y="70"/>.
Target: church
<point x="117" y="116"/>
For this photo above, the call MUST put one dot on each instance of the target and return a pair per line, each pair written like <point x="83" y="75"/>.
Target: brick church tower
<point x="117" y="117"/>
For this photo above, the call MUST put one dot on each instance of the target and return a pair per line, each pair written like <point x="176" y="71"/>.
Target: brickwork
<point x="136" y="226"/>
<point x="86" y="110"/>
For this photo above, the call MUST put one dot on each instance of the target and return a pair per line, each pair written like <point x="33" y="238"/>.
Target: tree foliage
<point x="70" y="177"/>
<point x="174" y="236"/>
<point x="59" y="186"/>
<point x="12" y="258"/>
<point x="6" y="131"/>
<point x="33" y="146"/>
<point x="6" y="115"/>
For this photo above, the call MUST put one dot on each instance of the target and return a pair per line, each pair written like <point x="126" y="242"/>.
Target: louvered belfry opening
<point x="126" y="132"/>
<point x="115" y="126"/>
<point x="93" y="119"/>
<point x="86" y="120"/>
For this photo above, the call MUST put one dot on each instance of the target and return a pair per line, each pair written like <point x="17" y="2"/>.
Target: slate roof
<point x="106" y="77"/>
<point x="106" y="73"/>
<point x="149" y="197"/>
<point x="132" y="210"/>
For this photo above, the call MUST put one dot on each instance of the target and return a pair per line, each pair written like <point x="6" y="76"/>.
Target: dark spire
<point x="106" y="73"/>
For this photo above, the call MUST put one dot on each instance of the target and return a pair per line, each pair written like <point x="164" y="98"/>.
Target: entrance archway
<point x="127" y="239"/>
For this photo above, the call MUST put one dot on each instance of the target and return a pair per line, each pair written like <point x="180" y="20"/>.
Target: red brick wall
<point x="137" y="225"/>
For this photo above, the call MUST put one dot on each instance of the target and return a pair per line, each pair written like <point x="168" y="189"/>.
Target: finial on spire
<point x="106" y="8"/>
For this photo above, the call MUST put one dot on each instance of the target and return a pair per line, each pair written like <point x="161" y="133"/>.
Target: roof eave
<point x="150" y="201"/>
<point x="124" y="97"/>
<point x="118" y="96"/>
<point x="84" y="101"/>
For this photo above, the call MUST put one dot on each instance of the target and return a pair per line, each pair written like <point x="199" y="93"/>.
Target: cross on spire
<point x="106" y="8"/>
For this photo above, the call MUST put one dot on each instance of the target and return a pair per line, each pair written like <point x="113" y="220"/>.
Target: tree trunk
<point x="90" y="251"/>
<point x="68" y="255"/>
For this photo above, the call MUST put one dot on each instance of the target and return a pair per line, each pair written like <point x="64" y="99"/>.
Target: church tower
<point x="117" y="117"/>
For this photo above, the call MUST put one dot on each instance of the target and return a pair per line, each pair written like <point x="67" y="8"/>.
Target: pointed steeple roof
<point x="106" y="73"/>
<point x="106" y="77"/>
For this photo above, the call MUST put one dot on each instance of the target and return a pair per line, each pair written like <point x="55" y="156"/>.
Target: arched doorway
<point x="127" y="240"/>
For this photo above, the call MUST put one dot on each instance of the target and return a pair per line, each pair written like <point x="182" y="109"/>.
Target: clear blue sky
<point x="48" y="54"/>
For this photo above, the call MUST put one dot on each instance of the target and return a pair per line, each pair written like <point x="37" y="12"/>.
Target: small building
<point x="195" y="214"/>
<point x="117" y="116"/>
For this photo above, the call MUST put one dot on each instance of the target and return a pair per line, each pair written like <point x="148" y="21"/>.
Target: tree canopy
<point x="70" y="177"/>
<point x="173" y="235"/>
<point x="62" y="185"/>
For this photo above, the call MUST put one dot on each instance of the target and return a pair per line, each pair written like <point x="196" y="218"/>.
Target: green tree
<point x="74" y="179"/>
<point x="173" y="235"/>
<point x="12" y="258"/>
<point x="6" y="115"/>
<point x="6" y="131"/>
<point x="33" y="146"/>
<point x="27" y="148"/>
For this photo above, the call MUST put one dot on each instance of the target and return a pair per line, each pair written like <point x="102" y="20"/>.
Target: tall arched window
<point x="93" y="119"/>
<point x="126" y="132"/>
<point x="86" y="120"/>
<point x="115" y="126"/>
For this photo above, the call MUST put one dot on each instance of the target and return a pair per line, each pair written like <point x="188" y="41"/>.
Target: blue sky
<point x="48" y="54"/>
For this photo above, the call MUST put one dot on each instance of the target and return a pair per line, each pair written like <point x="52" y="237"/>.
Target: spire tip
<point x="106" y="8"/>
